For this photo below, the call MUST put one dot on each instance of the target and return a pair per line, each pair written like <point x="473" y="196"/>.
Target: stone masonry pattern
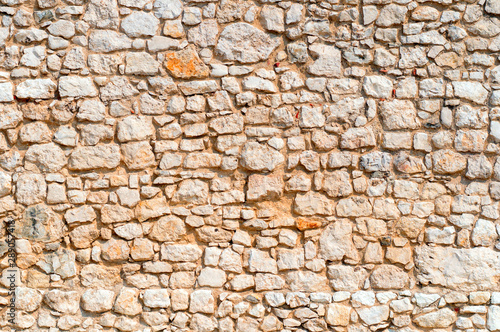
<point x="232" y="165"/>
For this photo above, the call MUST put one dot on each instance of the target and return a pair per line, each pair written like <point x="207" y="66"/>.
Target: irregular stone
<point x="168" y="229"/>
<point x="388" y="277"/>
<point x="31" y="189"/>
<point x="47" y="157"/>
<point x="152" y="208"/>
<point x="62" y="301"/>
<point x="437" y="319"/>
<point x="377" y="86"/>
<point x="180" y="252"/>
<point x="107" y="41"/>
<point x="374" y="315"/>
<point x="186" y="64"/>
<point x="138" y="155"/>
<point x="102" y="14"/>
<point x="86" y="158"/>
<point x="353" y="207"/>
<point x="264" y="187"/>
<point x="438" y="265"/>
<point x="10" y="116"/>
<point x="204" y="34"/>
<point x="338" y="314"/>
<point x="336" y="243"/>
<point x="127" y="302"/>
<point x="98" y="300"/>
<point x="328" y="61"/>
<point x="76" y="87"/>
<point x="258" y="157"/>
<point x="473" y="91"/>
<point x="448" y="162"/>
<point x="140" y="63"/>
<point x="167" y="9"/>
<point x="244" y="43"/>
<point x="191" y="192"/>
<point x="312" y="203"/>
<point x="36" y="89"/>
<point x="140" y="24"/>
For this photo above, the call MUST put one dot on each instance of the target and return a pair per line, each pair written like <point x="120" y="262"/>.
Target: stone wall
<point x="204" y="165"/>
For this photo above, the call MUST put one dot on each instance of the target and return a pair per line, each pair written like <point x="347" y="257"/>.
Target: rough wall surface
<point x="233" y="165"/>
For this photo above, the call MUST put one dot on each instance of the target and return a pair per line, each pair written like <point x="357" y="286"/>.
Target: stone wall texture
<point x="232" y="165"/>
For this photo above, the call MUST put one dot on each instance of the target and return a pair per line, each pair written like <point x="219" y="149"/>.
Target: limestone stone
<point x="388" y="277"/>
<point x="167" y="9"/>
<point x="374" y="315"/>
<point x="377" y="86"/>
<point x="244" y="43"/>
<point x="156" y="298"/>
<point x="65" y="302"/>
<point x="264" y="187"/>
<point x="473" y="91"/>
<point x="312" y="203"/>
<point x="335" y="242"/>
<point x="152" y="208"/>
<point x="40" y="223"/>
<point x="258" y="157"/>
<point x="440" y="266"/>
<point x="31" y="188"/>
<point x="448" y="162"/>
<point x="180" y="253"/>
<point x="328" y="61"/>
<point x="437" y="319"/>
<point x="36" y="89"/>
<point x="47" y="157"/>
<point x="141" y="63"/>
<point x="186" y="64"/>
<point x="338" y="314"/>
<point x="137" y="155"/>
<point x="105" y="156"/>
<point x="10" y="116"/>
<point x="77" y="87"/>
<point x="140" y="24"/>
<point x="204" y="34"/>
<point x="127" y="302"/>
<point x="102" y="14"/>
<point x="107" y="41"/>
<point x="98" y="300"/>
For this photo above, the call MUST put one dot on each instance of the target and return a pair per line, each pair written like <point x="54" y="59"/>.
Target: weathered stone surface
<point x="250" y="166"/>
<point x="141" y="63"/>
<point x="399" y="114"/>
<point x="102" y="14"/>
<point x="389" y="277"/>
<point x="36" y="89"/>
<point x="138" y="155"/>
<point x="448" y="162"/>
<point x="86" y="158"/>
<point x="478" y="267"/>
<point x="186" y="64"/>
<point x="441" y="318"/>
<point x="335" y="242"/>
<point x="140" y="24"/>
<point x="77" y="87"/>
<point x="244" y="43"/>
<point x="108" y="41"/>
<point x="40" y="223"/>
<point x="47" y="157"/>
<point x="191" y="191"/>
<point x="98" y="300"/>
<point x="180" y="252"/>
<point x="258" y="157"/>
<point x="66" y="302"/>
<point x="264" y="187"/>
